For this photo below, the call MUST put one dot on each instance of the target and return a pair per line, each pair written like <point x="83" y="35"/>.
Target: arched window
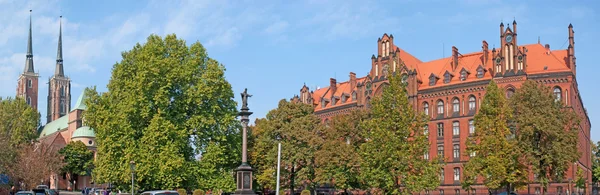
<point x="383" y="49"/>
<point x="369" y="102"/>
<point x="426" y="108"/>
<point x="29" y="83"/>
<point x="557" y="93"/>
<point x="326" y="122"/>
<point x="440" y="107"/>
<point x="510" y="92"/>
<point x="471" y="103"/>
<point x="28" y="100"/>
<point x="455" y="105"/>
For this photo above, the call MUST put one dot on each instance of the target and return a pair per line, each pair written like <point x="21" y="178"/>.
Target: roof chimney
<point x="454" y="58"/>
<point x="485" y="52"/>
<point x="352" y="80"/>
<point x="547" y="46"/>
<point x="332" y="86"/>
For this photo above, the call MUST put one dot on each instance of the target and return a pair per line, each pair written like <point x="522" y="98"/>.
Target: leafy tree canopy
<point x="496" y="157"/>
<point x="19" y="123"/>
<point x="77" y="158"/>
<point x="163" y="98"/>
<point x="547" y="131"/>
<point x="294" y="125"/>
<point x="392" y="157"/>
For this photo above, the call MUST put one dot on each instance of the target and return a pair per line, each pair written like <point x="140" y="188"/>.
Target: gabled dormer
<point x="433" y="79"/>
<point x="464" y="73"/>
<point x="480" y="71"/>
<point x="448" y="77"/>
<point x="324" y="102"/>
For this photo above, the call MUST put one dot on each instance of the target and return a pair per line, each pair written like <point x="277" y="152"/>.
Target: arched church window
<point x="29" y="83"/>
<point x="510" y="92"/>
<point x="557" y="93"/>
<point x="426" y="108"/>
<point x="28" y="100"/>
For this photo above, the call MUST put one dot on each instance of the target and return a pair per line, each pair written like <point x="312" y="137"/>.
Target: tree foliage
<point x="163" y="98"/>
<point x="18" y="126"/>
<point x="595" y="162"/>
<point x="547" y="131"/>
<point x="77" y="158"/>
<point x="34" y="163"/>
<point x="392" y="158"/>
<point x="497" y="158"/>
<point x="338" y="160"/>
<point x="294" y="125"/>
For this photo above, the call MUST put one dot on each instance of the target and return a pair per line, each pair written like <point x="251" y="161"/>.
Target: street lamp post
<point x="132" y="166"/>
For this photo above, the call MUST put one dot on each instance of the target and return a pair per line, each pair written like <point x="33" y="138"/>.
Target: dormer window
<point x="354" y="96"/>
<point x="463" y="74"/>
<point x="333" y="101"/>
<point x="480" y="71"/>
<point x="432" y="79"/>
<point x="404" y="78"/>
<point x="344" y="98"/>
<point x="447" y="77"/>
<point x="323" y="102"/>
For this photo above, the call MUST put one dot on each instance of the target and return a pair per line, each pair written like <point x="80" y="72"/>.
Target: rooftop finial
<point x="59" y="57"/>
<point x="538" y="39"/>
<point x="29" y="55"/>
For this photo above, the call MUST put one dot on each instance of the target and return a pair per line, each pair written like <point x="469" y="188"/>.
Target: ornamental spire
<point x="59" y="57"/>
<point x="29" y="55"/>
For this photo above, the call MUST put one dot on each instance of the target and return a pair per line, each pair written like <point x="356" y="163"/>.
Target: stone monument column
<point x="244" y="171"/>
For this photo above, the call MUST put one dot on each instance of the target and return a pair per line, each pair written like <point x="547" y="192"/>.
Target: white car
<point x="160" y="192"/>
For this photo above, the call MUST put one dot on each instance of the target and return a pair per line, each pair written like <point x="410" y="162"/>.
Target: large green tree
<point x="163" y="98"/>
<point x="496" y="156"/>
<point x="338" y="159"/>
<point x="392" y="156"/>
<point x="18" y="125"/>
<point x="78" y="160"/>
<point x="294" y="125"/>
<point x="547" y="131"/>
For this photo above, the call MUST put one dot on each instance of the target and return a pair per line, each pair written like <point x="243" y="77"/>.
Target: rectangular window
<point x="426" y="156"/>
<point x="455" y="128"/>
<point x="440" y="129"/>
<point x="442" y="177"/>
<point x="471" y="127"/>
<point x="456" y="151"/>
<point x="440" y="151"/>
<point x="472" y="154"/>
<point x="426" y="130"/>
<point x="29" y="83"/>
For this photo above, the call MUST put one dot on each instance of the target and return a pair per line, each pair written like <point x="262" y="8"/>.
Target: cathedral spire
<point x="29" y="55"/>
<point x="59" y="57"/>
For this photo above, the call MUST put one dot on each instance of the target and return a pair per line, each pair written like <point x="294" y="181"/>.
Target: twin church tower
<point x="59" y="86"/>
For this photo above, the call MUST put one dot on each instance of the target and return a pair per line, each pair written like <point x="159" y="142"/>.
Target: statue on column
<point x="245" y="96"/>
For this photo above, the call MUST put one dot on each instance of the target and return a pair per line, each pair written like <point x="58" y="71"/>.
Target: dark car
<point x="39" y="192"/>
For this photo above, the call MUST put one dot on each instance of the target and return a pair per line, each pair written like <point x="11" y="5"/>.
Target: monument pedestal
<point x="244" y="179"/>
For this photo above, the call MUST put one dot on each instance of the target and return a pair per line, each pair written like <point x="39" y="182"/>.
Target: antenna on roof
<point x="538" y="39"/>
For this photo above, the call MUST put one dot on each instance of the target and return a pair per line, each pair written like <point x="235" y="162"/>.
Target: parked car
<point x="42" y="187"/>
<point x="51" y="192"/>
<point x="160" y="192"/>
<point x="24" y="193"/>
<point x="39" y="191"/>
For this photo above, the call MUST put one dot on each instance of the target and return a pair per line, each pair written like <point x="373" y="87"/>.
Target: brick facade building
<point x="450" y="91"/>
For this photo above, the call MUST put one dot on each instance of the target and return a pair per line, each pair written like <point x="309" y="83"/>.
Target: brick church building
<point x="63" y="123"/>
<point x="450" y="91"/>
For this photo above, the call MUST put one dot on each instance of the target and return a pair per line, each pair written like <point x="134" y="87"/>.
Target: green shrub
<point x="198" y="192"/>
<point x="181" y="191"/>
<point x="305" y="192"/>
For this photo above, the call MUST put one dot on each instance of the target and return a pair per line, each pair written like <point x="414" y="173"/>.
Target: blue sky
<point x="274" y="47"/>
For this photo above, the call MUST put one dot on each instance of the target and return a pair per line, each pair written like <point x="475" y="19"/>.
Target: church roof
<point x="80" y="105"/>
<point x="54" y="126"/>
<point x="84" y="131"/>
